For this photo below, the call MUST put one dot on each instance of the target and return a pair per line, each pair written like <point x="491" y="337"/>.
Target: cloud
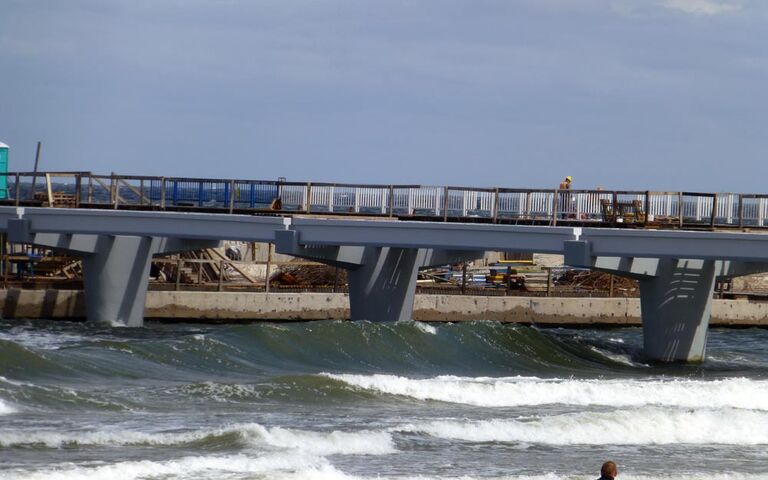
<point x="701" y="7"/>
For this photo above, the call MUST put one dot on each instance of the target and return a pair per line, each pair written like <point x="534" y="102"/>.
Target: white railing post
<point x="578" y="205"/>
<point x="383" y="200"/>
<point x="699" y="208"/>
<point x="410" y="201"/>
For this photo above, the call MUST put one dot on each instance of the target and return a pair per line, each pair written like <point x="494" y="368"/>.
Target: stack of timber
<point x="535" y="281"/>
<point x="57" y="199"/>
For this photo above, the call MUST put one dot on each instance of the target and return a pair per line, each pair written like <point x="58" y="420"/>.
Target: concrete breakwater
<point x="238" y="306"/>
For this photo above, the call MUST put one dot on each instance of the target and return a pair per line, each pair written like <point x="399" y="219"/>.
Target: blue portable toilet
<point x="3" y="171"/>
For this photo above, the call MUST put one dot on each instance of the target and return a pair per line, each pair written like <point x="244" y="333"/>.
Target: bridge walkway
<point x="592" y="208"/>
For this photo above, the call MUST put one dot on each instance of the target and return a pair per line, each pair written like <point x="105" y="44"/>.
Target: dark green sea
<point x="343" y="400"/>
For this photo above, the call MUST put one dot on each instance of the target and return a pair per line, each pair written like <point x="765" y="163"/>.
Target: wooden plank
<point x="235" y="267"/>
<point x="106" y="187"/>
<point x="142" y="197"/>
<point x="50" y="193"/>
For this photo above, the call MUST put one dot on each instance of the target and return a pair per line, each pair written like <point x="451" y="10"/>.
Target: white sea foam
<point x="313" y="442"/>
<point x="41" y="339"/>
<point x="282" y="467"/>
<point x="222" y="392"/>
<point x="520" y="391"/>
<point x="420" y="326"/>
<point x="208" y="467"/>
<point x="6" y="409"/>
<point x="327" y="443"/>
<point x="12" y="382"/>
<point x="619" y="358"/>
<point x="644" y="426"/>
<point x="426" y="328"/>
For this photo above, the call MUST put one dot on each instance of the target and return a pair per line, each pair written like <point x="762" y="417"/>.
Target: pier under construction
<point x="675" y="244"/>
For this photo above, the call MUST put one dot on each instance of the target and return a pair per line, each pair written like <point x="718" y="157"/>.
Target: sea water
<point x="343" y="400"/>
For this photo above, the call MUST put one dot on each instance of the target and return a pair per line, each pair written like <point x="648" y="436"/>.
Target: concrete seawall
<point x="238" y="306"/>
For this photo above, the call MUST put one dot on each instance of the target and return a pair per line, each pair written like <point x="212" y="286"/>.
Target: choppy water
<point x="345" y="400"/>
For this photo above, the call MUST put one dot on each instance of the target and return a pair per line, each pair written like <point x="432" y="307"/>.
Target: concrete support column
<point x="115" y="267"/>
<point x="116" y="277"/>
<point x="382" y="280"/>
<point x="383" y="287"/>
<point x="675" y="298"/>
<point x="675" y="307"/>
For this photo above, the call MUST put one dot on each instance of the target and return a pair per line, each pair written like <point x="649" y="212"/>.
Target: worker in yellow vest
<point x="565" y="203"/>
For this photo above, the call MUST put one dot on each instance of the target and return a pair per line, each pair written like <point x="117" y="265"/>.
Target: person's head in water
<point x="609" y="470"/>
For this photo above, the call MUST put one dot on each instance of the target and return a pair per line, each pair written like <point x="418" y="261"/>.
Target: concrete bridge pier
<point x="116" y="275"/>
<point x="675" y="301"/>
<point x="382" y="280"/>
<point x="383" y="287"/>
<point x="115" y="267"/>
<point x="675" y="297"/>
<point x="675" y="305"/>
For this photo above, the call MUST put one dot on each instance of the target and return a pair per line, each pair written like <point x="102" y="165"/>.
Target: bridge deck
<point x="592" y="208"/>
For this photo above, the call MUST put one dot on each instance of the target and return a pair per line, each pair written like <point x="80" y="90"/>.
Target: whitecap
<point x="645" y="426"/>
<point x="622" y="358"/>
<point x="41" y="339"/>
<point x="5" y="408"/>
<point x="362" y="442"/>
<point x="524" y="391"/>
<point x="203" y="467"/>
<point x="222" y="392"/>
<point x="426" y="328"/>
<point x="282" y="467"/>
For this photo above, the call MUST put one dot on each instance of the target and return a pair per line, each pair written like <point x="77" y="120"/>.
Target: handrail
<point x="544" y="206"/>
<point x="86" y="174"/>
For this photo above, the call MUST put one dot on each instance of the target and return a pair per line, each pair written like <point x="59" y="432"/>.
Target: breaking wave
<point x="208" y="467"/>
<point x="520" y="391"/>
<point x="285" y="467"/>
<point x="647" y="426"/>
<point x="256" y="435"/>
<point x="263" y="349"/>
<point x="182" y="401"/>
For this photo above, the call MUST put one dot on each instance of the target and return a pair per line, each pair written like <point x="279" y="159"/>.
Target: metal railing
<point x="498" y="205"/>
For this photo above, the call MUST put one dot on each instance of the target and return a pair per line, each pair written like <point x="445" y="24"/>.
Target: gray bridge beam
<point x="206" y="226"/>
<point x="446" y="236"/>
<point x="676" y="244"/>
<point x="381" y="233"/>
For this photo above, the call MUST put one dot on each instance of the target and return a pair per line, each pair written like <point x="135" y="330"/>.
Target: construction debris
<point x="303" y="274"/>
<point x="587" y="280"/>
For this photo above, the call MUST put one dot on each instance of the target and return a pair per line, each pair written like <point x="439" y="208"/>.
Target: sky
<point x="649" y="94"/>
